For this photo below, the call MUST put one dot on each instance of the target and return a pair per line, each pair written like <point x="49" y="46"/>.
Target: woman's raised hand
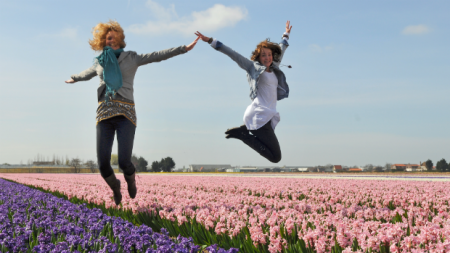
<point x="201" y="36"/>
<point x="288" y="26"/>
<point x="70" y="81"/>
<point x="192" y="45"/>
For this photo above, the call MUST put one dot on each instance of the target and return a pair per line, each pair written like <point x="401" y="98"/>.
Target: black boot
<point x="114" y="184"/>
<point x="131" y="181"/>
<point x="237" y="133"/>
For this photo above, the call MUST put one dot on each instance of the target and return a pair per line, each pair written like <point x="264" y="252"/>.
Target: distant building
<point x="320" y="169"/>
<point x="264" y="169"/>
<point x="184" y="169"/>
<point x="250" y="169"/>
<point x="277" y="170"/>
<point x="209" y="167"/>
<point x="44" y="163"/>
<point x="378" y="169"/>
<point x="423" y="167"/>
<point x="355" y="170"/>
<point x="337" y="168"/>
<point x="313" y="169"/>
<point x="323" y="169"/>
<point x="413" y="167"/>
<point x="289" y="168"/>
<point x="398" y="167"/>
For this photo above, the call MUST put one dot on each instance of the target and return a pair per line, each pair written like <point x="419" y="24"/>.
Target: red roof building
<point x="398" y="166"/>
<point x="337" y="168"/>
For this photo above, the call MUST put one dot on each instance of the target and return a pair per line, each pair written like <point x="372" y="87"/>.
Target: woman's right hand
<point x="202" y="37"/>
<point x="70" y="81"/>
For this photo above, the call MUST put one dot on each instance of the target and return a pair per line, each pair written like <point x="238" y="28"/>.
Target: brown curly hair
<point x="100" y="31"/>
<point x="275" y="48"/>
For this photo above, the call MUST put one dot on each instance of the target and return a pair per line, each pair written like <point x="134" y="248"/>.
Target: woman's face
<point x="111" y="40"/>
<point x="265" y="58"/>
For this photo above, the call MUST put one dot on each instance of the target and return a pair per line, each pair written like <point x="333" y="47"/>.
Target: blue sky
<point x="369" y="83"/>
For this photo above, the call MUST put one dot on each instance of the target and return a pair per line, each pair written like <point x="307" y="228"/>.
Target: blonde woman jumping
<point x="116" y="113"/>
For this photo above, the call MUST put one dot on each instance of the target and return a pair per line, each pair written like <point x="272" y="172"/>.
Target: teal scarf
<point x="111" y="71"/>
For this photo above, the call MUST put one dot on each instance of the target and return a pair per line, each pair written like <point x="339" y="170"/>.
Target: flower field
<point x="277" y="214"/>
<point x="33" y="221"/>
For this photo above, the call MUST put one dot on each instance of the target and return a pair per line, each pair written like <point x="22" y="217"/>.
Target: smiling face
<point x="266" y="58"/>
<point x="107" y="34"/>
<point x="111" y="40"/>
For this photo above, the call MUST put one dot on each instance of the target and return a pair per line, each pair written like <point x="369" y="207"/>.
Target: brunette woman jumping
<point x="267" y="85"/>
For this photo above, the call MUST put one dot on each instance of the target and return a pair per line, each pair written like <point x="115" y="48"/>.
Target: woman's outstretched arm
<point x="162" y="55"/>
<point x="284" y="42"/>
<point x="243" y="62"/>
<point x="88" y="74"/>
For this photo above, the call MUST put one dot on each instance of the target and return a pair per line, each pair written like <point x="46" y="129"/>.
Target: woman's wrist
<point x="210" y="40"/>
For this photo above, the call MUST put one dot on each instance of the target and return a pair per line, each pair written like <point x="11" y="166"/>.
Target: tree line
<point x="441" y="165"/>
<point x="165" y="165"/>
<point x="140" y="163"/>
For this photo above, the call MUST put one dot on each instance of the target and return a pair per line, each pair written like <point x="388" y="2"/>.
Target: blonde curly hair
<point x="101" y="30"/>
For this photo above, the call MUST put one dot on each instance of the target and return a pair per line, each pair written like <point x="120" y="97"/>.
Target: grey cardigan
<point x="129" y="61"/>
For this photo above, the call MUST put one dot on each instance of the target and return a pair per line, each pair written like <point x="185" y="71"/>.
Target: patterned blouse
<point x="115" y="107"/>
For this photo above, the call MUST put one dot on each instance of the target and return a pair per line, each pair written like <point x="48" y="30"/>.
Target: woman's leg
<point x="105" y="139"/>
<point x="125" y="139"/>
<point x="264" y="141"/>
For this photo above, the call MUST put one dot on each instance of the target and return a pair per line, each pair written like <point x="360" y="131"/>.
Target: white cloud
<point x="318" y="49"/>
<point x="167" y="20"/>
<point x="416" y="30"/>
<point x="160" y="12"/>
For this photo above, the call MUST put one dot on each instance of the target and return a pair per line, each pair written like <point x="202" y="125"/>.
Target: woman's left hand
<point x="192" y="45"/>
<point x="203" y="37"/>
<point x="288" y="27"/>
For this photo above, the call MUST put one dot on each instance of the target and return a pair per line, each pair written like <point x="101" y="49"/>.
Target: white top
<point x="264" y="106"/>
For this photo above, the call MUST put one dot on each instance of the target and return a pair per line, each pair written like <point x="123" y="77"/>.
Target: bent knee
<point x="276" y="159"/>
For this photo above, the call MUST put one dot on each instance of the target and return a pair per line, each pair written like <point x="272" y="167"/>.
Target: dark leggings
<point x="125" y="137"/>
<point x="265" y="142"/>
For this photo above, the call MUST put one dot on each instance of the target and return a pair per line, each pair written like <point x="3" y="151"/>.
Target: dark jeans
<point x="265" y="142"/>
<point x="106" y="130"/>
